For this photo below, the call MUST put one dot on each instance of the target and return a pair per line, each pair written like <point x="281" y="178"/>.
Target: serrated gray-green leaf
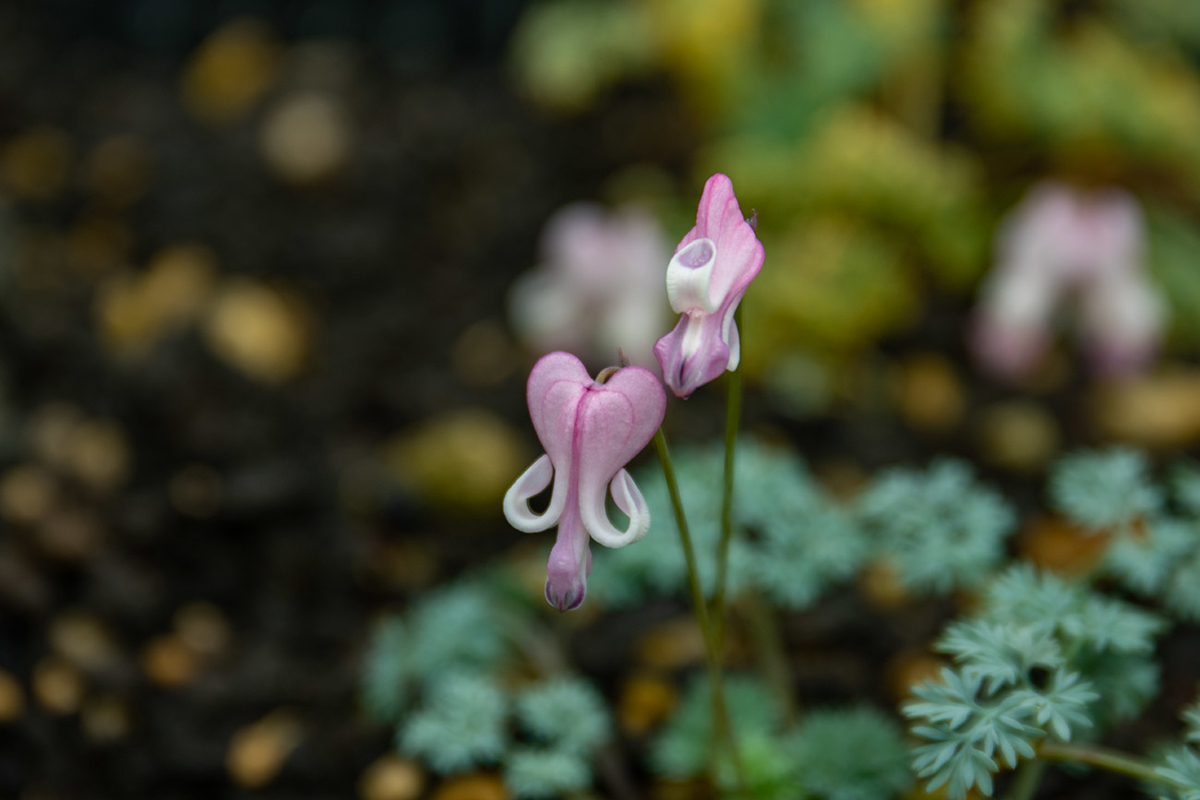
<point x="541" y="773"/>
<point x="460" y="725"/>
<point x="566" y="713"/>
<point x="1102" y="488"/>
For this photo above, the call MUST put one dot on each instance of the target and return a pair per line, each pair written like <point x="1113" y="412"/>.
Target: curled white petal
<point x="516" y="502"/>
<point x="689" y="275"/>
<point x="629" y="499"/>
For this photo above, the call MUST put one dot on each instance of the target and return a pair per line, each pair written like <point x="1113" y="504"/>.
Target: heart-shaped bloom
<point x="1063" y="245"/>
<point x="706" y="279"/>
<point x="599" y="287"/>
<point x="590" y="430"/>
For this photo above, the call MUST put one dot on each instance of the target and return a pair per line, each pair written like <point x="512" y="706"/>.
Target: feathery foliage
<point x="535" y="773"/>
<point x="1154" y="545"/>
<point x="1104" y="488"/>
<point x="802" y="544"/>
<point x="461" y="725"/>
<point x="1042" y="658"/>
<point x="456" y="627"/>
<point x="565" y="712"/>
<point x="856" y="753"/>
<point x="938" y="528"/>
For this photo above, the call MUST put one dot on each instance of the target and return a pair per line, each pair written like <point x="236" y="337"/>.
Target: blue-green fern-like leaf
<point x="938" y="528"/>
<point x="774" y="495"/>
<point x="1182" y="591"/>
<point x="1191" y="718"/>
<point x="856" y="753"/>
<point x="967" y="732"/>
<point x="565" y="713"/>
<point x="1062" y="704"/>
<point x="1125" y="683"/>
<point x="794" y="564"/>
<point x="1141" y="560"/>
<point x="456" y="627"/>
<point x="461" y="725"/>
<point x="1083" y="619"/>
<point x="1100" y="489"/>
<point x="1000" y="654"/>
<point x="539" y="773"/>
<point x="1180" y="767"/>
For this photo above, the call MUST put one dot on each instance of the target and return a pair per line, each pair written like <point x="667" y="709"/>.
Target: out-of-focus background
<point x="272" y="275"/>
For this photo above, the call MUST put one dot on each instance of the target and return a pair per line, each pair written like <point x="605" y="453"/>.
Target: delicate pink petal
<point x="557" y="383"/>
<point x="720" y="218"/>
<point x="630" y="500"/>
<point x="692" y="354"/>
<point x="570" y="564"/>
<point x="516" y="502"/>
<point x="615" y="423"/>
<point x="714" y="204"/>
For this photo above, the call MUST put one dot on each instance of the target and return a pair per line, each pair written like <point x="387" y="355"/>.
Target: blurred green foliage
<point x="882" y="139"/>
<point x="441" y="675"/>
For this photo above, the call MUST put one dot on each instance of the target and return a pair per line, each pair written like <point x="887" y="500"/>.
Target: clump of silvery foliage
<point x="434" y="674"/>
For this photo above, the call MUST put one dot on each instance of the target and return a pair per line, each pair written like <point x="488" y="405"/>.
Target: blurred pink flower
<point x="599" y="287"/>
<point x="590" y="431"/>
<point x="710" y="272"/>
<point x="1062" y="245"/>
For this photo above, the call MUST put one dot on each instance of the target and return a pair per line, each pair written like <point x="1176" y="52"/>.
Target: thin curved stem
<point x="733" y="409"/>
<point x="1024" y="785"/>
<point x="721" y="721"/>
<point x="1106" y="759"/>
<point x="685" y="537"/>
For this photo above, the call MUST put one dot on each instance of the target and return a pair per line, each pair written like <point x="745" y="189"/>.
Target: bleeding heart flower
<point x="710" y="272"/>
<point x="590" y="429"/>
<point x="599" y="287"/>
<point x="1060" y="245"/>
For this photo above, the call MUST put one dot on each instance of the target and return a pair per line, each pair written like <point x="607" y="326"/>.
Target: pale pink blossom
<point x="590" y="430"/>
<point x="599" y="287"/>
<point x="1068" y="254"/>
<point x="706" y="279"/>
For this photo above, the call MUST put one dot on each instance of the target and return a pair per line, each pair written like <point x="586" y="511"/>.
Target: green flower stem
<point x="721" y="723"/>
<point x="1106" y="759"/>
<point x="1025" y="784"/>
<point x="733" y="409"/>
<point x="764" y="634"/>
<point x="685" y="536"/>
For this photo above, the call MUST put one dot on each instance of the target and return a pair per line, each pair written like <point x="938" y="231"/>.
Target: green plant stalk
<point x="721" y="723"/>
<point x="1106" y="759"/>
<point x="733" y="409"/>
<point x="1025" y="784"/>
<point x="764" y="635"/>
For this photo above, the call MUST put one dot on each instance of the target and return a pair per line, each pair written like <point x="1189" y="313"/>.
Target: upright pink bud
<point x="710" y="272"/>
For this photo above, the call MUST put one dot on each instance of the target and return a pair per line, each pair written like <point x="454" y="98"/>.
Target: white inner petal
<point x="629" y="499"/>
<point x="689" y="275"/>
<point x="516" y="502"/>
<point x="689" y="345"/>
